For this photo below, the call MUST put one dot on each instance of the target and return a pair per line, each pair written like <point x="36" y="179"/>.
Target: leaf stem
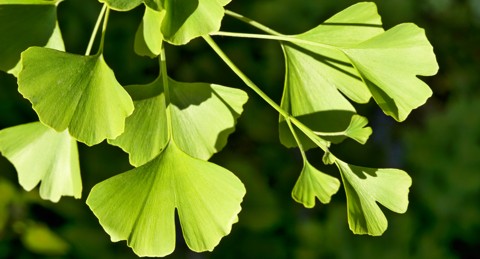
<point x="252" y="23"/>
<point x="272" y="37"/>
<point x="104" y="29"/>
<point x="323" y="144"/>
<point x="95" y="30"/>
<point x="242" y="76"/>
<point x="331" y="134"/>
<point x="166" y="89"/>
<point x="300" y="146"/>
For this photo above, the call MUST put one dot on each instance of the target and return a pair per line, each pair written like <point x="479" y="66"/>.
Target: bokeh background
<point x="439" y="144"/>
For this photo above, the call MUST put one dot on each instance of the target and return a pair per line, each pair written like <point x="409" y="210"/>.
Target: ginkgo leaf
<point x="39" y="153"/>
<point x="390" y="63"/>
<point x="357" y="130"/>
<point x="75" y="92"/>
<point x="365" y="187"/>
<point x="314" y="183"/>
<point x="139" y="205"/>
<point x="191" y="19"/>
<point x="20" y="29"/>
<point x="203" y="115"/>
<point x="316" y="72"/>
<point x="148" y="38"/>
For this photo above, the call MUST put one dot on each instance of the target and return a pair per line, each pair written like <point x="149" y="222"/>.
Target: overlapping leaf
<point x="191" y="19"/>
<point x="181" y="22"/>
<point x="389" y="64"/>
<point x="148" y="39"/>
<point x="203" y="115"/>
<point x="139" y="205"/>
<point x="365" y="187"/>
<point x="20" y="27"/>
<point x="314" y="183"/>
<point x="39" y="153"/>
<point x="316" y="72"/>
<point x="75" y="92"/>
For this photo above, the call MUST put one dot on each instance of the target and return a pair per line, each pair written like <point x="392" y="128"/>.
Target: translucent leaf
<point x="389" y="63"/>
<point x="39" y="153"/>
<point x="75" y="92"/>
<point x="315" y="73"/>
<point x="203" y="115"/>
<point x="314" y="183"/>
<point x="20" y="27"/>
<point x="148" y="39"/>
<point x="139" y="205"/>
<point x="191" y="19"/>
<point x="357" y="129"/>
<point x="365" y="187"/>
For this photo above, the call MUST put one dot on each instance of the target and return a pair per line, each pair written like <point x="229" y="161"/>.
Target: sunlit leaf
<point x="75" y="92"/>
<point x="314" y="183"/>
<point x="148" y="39"/>
<point x="191" y="19"/>
<point x="357" y="129"/>
<point x="390" y="64"/>
<point x="365" y="187"/>
<point x="20" y="27"/>
<point x="203" y="115"/>
<point x="39" y="153"/>
<point x="316" y="72"/>
<point x="139" y="205"/>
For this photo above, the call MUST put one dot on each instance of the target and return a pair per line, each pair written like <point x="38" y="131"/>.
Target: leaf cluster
<point x="170" y="129"/>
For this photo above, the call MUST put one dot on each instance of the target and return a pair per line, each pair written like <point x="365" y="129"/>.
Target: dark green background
<point x="439" y="144"/>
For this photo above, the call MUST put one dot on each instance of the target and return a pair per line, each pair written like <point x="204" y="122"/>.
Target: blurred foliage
<point x="439" y="145"/>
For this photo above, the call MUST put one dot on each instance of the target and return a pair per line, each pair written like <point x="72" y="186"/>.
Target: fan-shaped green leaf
<point x="357" y="129"/>
<point x="390" y="62"/>
<point x="75" y="92"/>
<point x="148" y="39"/>
<point x="191" y="19"/>
<point x="39" y="153"/>
<point x="20" y="27"/>
<point x="203" y="115"/>
<point x="316" y="71"/>
<point x="314" y="183"/>
<point x="365" y="187"/>
<point x="139" y="205"/>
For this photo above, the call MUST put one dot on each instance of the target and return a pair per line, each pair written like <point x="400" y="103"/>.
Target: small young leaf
<point x="365" y="187"/>
<point x="314" y="183"/>
<point x="75" y="92"/>
<point x="39" y="153"/>
<point x="390" y="62"/>
<point x="20" y="27"/>
<point x="357" y="130"/>
<point x="203" y="115"/>
<point x="139" y="205"/>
